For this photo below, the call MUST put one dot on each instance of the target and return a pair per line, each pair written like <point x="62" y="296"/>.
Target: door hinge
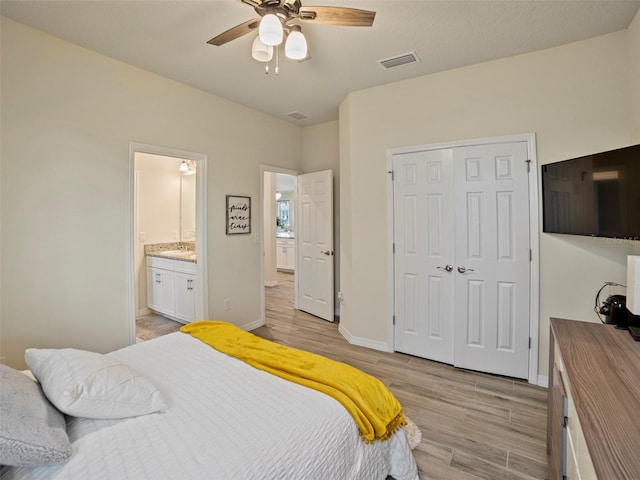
<point x="528" y="166"/>
<point x="530" y="255"/>
<point x="393" y="247"/>
<point x="529" y="343"/>
<point x="565" y="421"/>
<point x="394" y="319"/>
<point x="393" y="177"/>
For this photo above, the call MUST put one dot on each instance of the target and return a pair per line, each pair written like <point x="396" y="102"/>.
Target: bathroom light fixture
<point x="278" y="195"/>
<point x="188" y="167"/>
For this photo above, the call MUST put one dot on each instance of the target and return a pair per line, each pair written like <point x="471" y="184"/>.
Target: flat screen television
<point x="596" y="195"/>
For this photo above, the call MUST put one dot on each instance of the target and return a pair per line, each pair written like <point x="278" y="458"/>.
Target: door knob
<point x="328" y="252"/>
<point x="447" y="268"/>
<point x="463" y="269"/>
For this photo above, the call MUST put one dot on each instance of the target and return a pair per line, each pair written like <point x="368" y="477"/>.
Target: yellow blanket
<point x="373" y="407"/>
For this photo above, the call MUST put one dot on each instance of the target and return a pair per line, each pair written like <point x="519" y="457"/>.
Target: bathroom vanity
<point x="171" y="282"/>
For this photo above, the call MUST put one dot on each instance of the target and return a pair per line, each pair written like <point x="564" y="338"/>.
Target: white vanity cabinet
<point x="285" y="253"/>
<point x="171" y="288"/>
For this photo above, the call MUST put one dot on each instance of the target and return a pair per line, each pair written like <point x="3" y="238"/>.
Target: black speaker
<point x="614" y="308"/>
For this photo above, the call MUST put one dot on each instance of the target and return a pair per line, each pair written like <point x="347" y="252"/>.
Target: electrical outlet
<point x="174" y="235"/>
<point x="2" y="360"/>
<point x="227" y="304"/>
<point x="142" y="237"/>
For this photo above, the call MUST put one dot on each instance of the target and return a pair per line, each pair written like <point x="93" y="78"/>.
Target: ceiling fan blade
<point x="235" y="32"/>
<point x="251" y="3"/>
<point x="343" y="16"/>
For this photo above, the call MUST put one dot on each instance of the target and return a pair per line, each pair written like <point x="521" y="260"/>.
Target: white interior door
<point x="492" y="258"/>
<point x="461" y="234"/>
<point x="424" y="252"/>
<point x="314" y="233"/>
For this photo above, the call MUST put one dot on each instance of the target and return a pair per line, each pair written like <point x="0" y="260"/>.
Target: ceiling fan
<point x="280" y="17"/>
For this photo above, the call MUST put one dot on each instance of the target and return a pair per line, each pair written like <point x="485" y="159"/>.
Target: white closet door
<point x="492" y="258"/>
<point x="461" y="234"/>
<point x="423" y="226"/>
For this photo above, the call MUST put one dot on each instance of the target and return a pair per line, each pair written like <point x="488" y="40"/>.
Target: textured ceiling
<point x="169" y="38"/>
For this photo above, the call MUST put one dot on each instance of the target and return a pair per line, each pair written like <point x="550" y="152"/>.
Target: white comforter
<point x="226" y="420"/>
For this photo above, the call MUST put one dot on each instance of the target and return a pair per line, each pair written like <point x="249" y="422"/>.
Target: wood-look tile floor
<point x="474" y="425"/>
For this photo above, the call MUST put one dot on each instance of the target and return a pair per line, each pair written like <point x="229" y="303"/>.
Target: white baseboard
<point x="272" y="283"/>
<point x="252" y="325"/>
<point x="362" y="342"/>
<point x="543" y="381"/>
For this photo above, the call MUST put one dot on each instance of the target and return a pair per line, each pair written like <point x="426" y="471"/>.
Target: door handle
<point x="463" y="269"/>
<point x="328" y="252"/>
<point x="447" y="268"/>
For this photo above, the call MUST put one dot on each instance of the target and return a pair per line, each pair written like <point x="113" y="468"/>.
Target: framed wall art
<point x="238" y="214"/>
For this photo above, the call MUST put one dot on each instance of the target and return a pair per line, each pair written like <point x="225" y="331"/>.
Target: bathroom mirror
<point x="283" y="213"/>
<point x="188" y="208"/>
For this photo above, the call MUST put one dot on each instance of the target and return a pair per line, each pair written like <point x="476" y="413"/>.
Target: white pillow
<point x="91" y="385"/>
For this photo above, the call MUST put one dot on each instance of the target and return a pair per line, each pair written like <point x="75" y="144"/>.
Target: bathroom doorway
<point x="168" y="222"/>
<point x="279" y="242"/>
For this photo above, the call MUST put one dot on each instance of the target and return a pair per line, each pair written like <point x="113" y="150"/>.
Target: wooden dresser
<point x="594" y="402"/>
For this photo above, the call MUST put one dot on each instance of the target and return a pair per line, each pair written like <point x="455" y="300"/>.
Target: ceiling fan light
<point x="270" y="30"/>
<point x="296" y="46"/>
<point x="260" y="51"/>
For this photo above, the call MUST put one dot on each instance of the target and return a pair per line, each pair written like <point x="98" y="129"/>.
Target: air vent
<point x="399" y="60"/>
<point x="297" y="116"/>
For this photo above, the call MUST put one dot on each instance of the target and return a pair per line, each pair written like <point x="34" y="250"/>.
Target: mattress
<point x="226" y="420"/>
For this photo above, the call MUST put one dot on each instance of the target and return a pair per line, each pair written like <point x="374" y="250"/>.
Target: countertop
<point x="184" y="251"/>
<point x="185" y="256"/>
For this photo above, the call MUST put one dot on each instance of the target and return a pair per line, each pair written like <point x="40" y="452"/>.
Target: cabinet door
<point x="556" y="432"/>
<point x="185" y="297"/>
<point x="291" y="256"/>
<point x="281" y="256"/>
<point x="160" y="290"/>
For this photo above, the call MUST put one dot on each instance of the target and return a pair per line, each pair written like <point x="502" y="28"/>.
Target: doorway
<point x="173" y="182"/>
<point x="279" y="241"/>
<point x="312" y="257"/>
<point x="464" y="270"/>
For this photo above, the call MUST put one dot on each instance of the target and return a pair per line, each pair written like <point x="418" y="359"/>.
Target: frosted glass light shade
<point x="183" y="166"/>
<point x="260" y="51"/>
<point x="633" y="284"/>
<point x="296" y="46"/>
<point x="270" y="30"/>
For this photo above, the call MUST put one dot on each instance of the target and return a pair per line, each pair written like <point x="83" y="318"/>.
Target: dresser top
<point x="603" y="375"/>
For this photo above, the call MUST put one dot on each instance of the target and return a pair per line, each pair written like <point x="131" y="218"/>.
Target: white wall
<point x="68" y="115"/>
<point x="321" y="151"/>
<point x="574" y="97"/>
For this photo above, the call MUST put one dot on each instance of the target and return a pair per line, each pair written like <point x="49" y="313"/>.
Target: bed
<point x="224" y="420"/>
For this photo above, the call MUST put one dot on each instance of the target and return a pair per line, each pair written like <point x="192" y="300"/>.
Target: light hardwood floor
<point x="474" y="425"/>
